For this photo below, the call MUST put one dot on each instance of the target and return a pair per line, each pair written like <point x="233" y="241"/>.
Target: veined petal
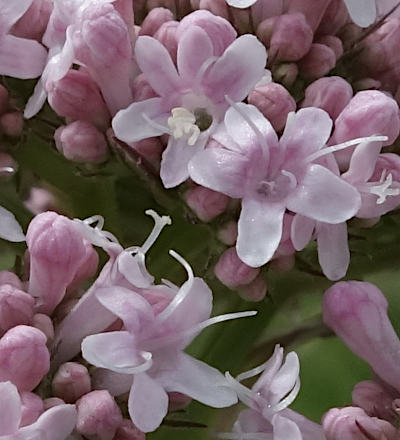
<point x="11" y="12"/>
<point x="198" y="380"/>
<point x="21" y="58"/>
<point x="9" y="227"/>
<point x="333" y="250"/>
<point x="259" y="231"/>
<point x="325" y="197"/>
<point x="10" y="408"/>
<point x="241" y="3"/>
<point x="155" y="62"/>
<point x="301" y="232"/>
<point x="285" y="429"/>
<point x="132" y="123"/>
<point x="237" y="71"/>
<point x="148" y="403"/>
<point x="362" y="12"/>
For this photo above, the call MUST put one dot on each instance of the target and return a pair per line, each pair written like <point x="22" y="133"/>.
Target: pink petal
<point x="10" y="408"/>
<point x="285" y="379"/>
<point x="148" y="403"/>
<point x="271" y="368"/>
<point x="11" y="12"/>
<point x="310" y="430"/>
<point x="9" y="227"/>
<point x="301" y="231"/>
<point x="237" y="71"/>
<point x="362" y="12"/>
<point x="134" y="270"/>
<point x="21" y="58"/>
<point x="130" y="126"/>
<point x="115" y="383"/>
<point x="285" y="429"/>
<point x="324" y="197"/>
<point x="333" y="250"/>
<point x="259" y="231"/>
<point x="155" y="62"/>
<point x="194" y="48"/>
<point x="36" y="101"/>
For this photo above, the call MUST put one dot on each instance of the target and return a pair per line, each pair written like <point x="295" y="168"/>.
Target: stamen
<point x="245" y="436"/>
<point x="382" y="190"/>
<point x="203" y="68"/>
<point x="251" y="373"/>
<point x="127" y="369"/>
<point x="292" y="178"/>
<point x="183" y="122"/>
<point x="92" y="229"/>
<point x="246" y="395"/>
<point x="95" y="219"/>
<point x="343" y="146"/>
<point x="159" y="223"/>
<point x="156" y="125"/>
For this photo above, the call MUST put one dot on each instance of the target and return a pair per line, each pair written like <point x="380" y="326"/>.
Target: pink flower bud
<point x="154" y="19"/>
<point x="283" y="263"/>
<point x="318" y="62"/>
<point x="16" y="307"/>
<point x="128" y="431"/>
<point x="367" y="84"/>
<point x="334" y="18"/>
<point x="241" y="20"/>
<point x="11" y="124"/>
<point x="150" y="149"/>
<point x="206" y="203"/>
<point x="8" y="166"/>
<point x="291" y="38"/>
<point x="31" y="407"/>
<point x="56" y="251"/>
<point x="313" y="11"/>
<point x="24" y="357"/>
<point x="177" y="401"/>
<point x="374" y="400"/>
<point x="228" y="233"/>
<point x="265" y="30"/>
<point x="141" y="89"/>
<point x="7" y="277"/>
<point x="274" y="102"/>
<point x="285" y="73"/>
<point x="77" y="96"/>
<point x="331" y="93"/>
<point x="34" y="22"/>
<point x="333" y="42"/>
<point x="52" y="402"/>
<point x="80" y="141"/>
<point x="254" y="291"/>
<point x="357" y="313"/>
<point x="4" y="99"/>
<point x="352" y="423"/>
<point x="166" y="35"/>
<point x="87" y="269"/>
<point x="71" y="382"/>
<point x="217" y="7"/>
<point x="232" y="272"/>
<point x="98" y="415"/>
<point x="44" y="324"/>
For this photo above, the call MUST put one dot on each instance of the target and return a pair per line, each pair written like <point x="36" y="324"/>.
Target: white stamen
<point x="183" y="123"/>
<point x="155" y="124"/>
<point x="169" y="284"/>
<point x="95" y="219"/>
<point x="343" y="146"/>
<point x="383" y="190"/>
<point x="292" y="178"/>
<point x="246" y="395"/>
<point x="245" y="436"/>
<point x="130" y="369"/>
<point x="92" y="229"/>
<point x="159" y="223"/>
<point x="253" y="372"/>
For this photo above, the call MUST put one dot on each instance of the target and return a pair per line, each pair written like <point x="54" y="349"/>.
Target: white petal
<point x="362" y="12"/>
<point x="241" y="3"/>
<point x="301" y="231"/>
<point x="9" y="227"/>
<point x="285" y="429"/>
<point x="10" y="408"/>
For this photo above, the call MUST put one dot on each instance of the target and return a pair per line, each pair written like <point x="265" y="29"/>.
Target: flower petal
<point x="324" y="197"/>
<point x="21" y="58"/>
<point x="130" y="126"/>
<point x="115" y="383"/>
<point x="259" y="231"/>
<point x="285" y="428"/>
<point x="155" y="62"/>
<point x="285" y="379"/>
<point x="133" y="268"/>
<point x="362" y="12"/>
<point x="333" y="250"/>
<point x="301" y="231"/>
<point x="237" y="71"/>
<point x="148" y="403"/>
<point x="241" y="3"/>
<point x="9" y="227"/>
<point x="10" y="408"/>
<point x="11" y="12"/>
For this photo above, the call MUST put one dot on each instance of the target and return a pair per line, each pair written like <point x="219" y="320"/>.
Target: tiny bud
<point x="45" y="324"/>
<point x="71" y="382"/>
<point x="265" y="30"/>
<point x="274" y="102"/>
<point x="177" y="401"/>
<point x="333" y="42"/>
<point x="228" y="233"/>
<point x="80" y="141"/>
<point x="334" y="18"/>
<point x="166" y="35"/>
<point x="352" y="423"/>
<point x="7" y="277"/>
<point x="291" y="38"/>
<point x="318" y="61"/>
<point x="40" y="200"/>
<point x="24" y="357"/>
<point x="16" y="307"/>
<point x="31" y="408"/>
<point x="52" y="402"/>
<point x="285" y="73"/>
<point x="206" y="203"/>
<point x="150" y="149"/>
<point x="128" y="431"/>
<point x="11" y="124"/>
<point x="217" y="7"/>
<point x="254" y="291"/>
<point x="154" y="19"/>
<point x="98" y="415"/>
<point x="232" y="272"/>
<point x="331" y="94"/>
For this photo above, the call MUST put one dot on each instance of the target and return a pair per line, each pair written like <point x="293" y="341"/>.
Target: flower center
<point x="278" y="188"/>
<point x="183" y="123"/>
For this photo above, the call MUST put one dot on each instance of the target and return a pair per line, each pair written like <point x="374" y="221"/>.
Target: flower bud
<point x="206" y="203"/>
<point x="285" y="73"/>
<point x="31" y="408"/>
<point x="7" y="277"/>
<point x="333" y="42"/>
<point x="313" y="11"/>
<point x="274" y="102"/>
<point x="352" y="423"/>
<point x="80" y="141"/>
<point x="254" y="291"/>
<point x="334" y="18"/>
<point x="52" y="402"/>
<point x="87" y="269"/>
<point x="232" y="272"/>
<point x="166" y="35"/>
<point x="177" y="401"/>
<point x="40" y="200"/>
<point x="331" y="93"/>
<point x="98" y="415"/>
<point x="150" y="149"/>
<point x="154" y="19"/>
<point x="11" y="124"/>
<point x="217" y="7"/>
<point x="318" y="62"/>
<point x="141" y="89"/>
<point x="374" y="400"/>
<point x="16" y="307"/>
<point x="357" y="313"/>
<point x="71" y="382"/>
<point x="77" y="96"/>
<point x="283" y="263"/>
<point x="24" y="357"/>
<point x="240" y="18"/>
<point x="34" y="22"/>
<point x="4" y="99"/>
<point x="128" y="431"/>
<point x="291" y="38"/>
<point x="44" y="324"/>
<point x="265" y="30"/>
<point x="228" y="233"/>
<point x="56" y="251"/>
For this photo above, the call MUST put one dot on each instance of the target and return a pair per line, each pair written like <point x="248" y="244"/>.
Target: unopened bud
<point x="318" y="61"/>
<point x="228" y="233"/>
<point x="7" y="277"/>
<point x="71" y="382"/>
<point x="166" y="35"/>
<point x="206" y="203"/>
<point x="8" y="166"/>
<point x="333" y="42"/>
<point x="154" y="19"/>
<point x="334" y="18"/>
<point x="16" y="307"/>
<point x="285" y="73"/>
<point x="52" y="402"/>
<point x="254" y="291"/>
<point x="128" y="431"/>
<point x="31" y="408"/>
<point x="265" y="30"/>
<point x="313" y="11"/>
<point x="11" y="124"/>
<point x="217" y="7"/>
<point x="45" y="324"/>
<point x="150" y="149"/>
